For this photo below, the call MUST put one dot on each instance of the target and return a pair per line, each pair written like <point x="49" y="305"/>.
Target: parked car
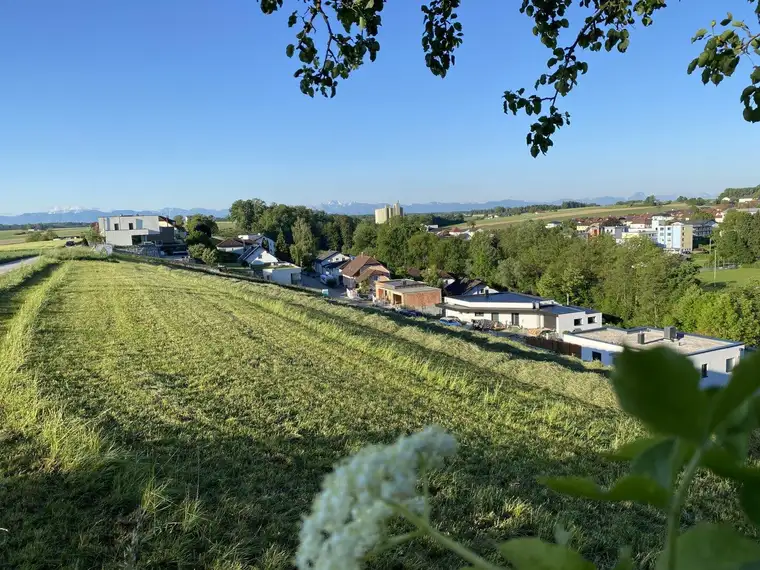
<point x="450" y="322"/>
<point x="408" y="312"/>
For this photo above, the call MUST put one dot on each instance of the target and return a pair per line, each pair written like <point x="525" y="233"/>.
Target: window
<point x="116" y="227"/>
<point x="729" y="364"/>
<point x="704" y="371"/>
<point x="597" y="356"/>
<point x="578" y="322"/>
<point x="479" y="314"/>
<point x="591" y="320"/>
<point x="131" y="226"/>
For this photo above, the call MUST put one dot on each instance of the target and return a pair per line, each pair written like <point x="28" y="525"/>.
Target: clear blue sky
<point x="153" y="103"/>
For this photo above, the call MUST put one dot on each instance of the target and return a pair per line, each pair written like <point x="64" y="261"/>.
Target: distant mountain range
<point x="83" y="215"/>
<point x="363" y="208"/>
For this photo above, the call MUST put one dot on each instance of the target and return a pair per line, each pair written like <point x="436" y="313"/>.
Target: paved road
<point x="11" y="265"/>
<point x="314" y="283"/>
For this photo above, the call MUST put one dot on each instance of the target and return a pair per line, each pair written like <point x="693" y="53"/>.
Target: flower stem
<point x="459" y="549"/>
<point x="676" y="506"/>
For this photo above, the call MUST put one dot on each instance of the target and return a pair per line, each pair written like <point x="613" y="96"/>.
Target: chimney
<point x="669" y="333"/>
<point x="641" y="337"/>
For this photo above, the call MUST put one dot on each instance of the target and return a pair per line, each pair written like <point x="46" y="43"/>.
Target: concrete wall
<point x="716" y="364"/>
<point x="567" y="322"/>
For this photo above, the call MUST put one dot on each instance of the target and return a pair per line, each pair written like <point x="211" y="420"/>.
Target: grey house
<point x="135" y="230"/>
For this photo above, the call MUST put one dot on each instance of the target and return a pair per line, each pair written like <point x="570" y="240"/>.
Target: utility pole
<point x="715" y="268"/>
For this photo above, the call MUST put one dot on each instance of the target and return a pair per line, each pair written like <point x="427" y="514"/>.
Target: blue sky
<point x="153" y="103"/>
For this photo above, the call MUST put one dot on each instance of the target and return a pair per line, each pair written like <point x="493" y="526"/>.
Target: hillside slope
<point x="160" y="418"/>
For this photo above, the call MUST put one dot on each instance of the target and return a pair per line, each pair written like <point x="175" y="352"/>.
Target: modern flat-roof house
<point x="520" y="310"/>
<point x="408" y="294"/>
<point x="363" y="268"/>
<point x="282" y="272"/>
<point x="713" y="357"/>
<point x="135" y="230"/>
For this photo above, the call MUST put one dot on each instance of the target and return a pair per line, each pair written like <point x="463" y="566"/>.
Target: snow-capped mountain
<point x="89" y="215"/>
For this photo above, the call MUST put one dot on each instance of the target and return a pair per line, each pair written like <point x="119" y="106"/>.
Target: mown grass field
<point x="730" y="277"/>
<point x="570" y="213"/>
<point x="153" y="417"/>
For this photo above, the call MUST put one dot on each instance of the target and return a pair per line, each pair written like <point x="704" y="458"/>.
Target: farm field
<point x="11" y="237"/>
<point x="163" y="418"/>
<point x="569" y="213"/>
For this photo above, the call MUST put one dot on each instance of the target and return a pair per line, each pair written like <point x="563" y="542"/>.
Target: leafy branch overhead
<point x="347" y="31"/>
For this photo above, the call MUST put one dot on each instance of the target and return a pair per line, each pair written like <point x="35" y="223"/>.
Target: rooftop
<point x="406" y="286"/>
<point x="685" y="343"/>
<point x="566" y="310"/>
<point x="505" y="297"/>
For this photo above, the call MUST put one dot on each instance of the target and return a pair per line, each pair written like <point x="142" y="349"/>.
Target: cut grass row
<point x="186" y="420"/>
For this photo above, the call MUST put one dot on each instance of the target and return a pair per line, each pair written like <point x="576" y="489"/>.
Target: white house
<point x="614" y="231"/>
<point x="713" y="357"/>
<point x="258" y="256"/>
<point x="745" y="200"/>
<point x="135" y="230"/>
<point x="676" y="237"/>
<point x="283" y="273"/>
<point x="553" y="224"/>
<point x="525" y="311"/>
<point x="234" y="245"/>
<point x="661" y="220"/>
<point x="465" y="287"/>
<point x="329" y="262"/>
<point x="262" y="240"/>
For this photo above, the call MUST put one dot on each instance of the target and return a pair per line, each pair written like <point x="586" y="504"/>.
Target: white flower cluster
<point x="348" y="516"/>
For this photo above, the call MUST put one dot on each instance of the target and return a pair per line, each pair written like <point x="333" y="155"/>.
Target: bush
<point x="210" y="256"/>
<point x="41" y="236"/>
<point x="196" y="251"/>
<point x="196" y="237"/>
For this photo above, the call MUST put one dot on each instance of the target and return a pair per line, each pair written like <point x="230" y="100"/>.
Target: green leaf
<point x="659" y="463"/>
<point x="535" y="554"/>
<point x="661" y="388"/>
<point x="637" y="488"/>
<point x="749" y="498"/>
<point x="723" y="463"/>
<point x="713" y="547"/>
<point x="290" y="50"/>
<point x="744" y="382"/>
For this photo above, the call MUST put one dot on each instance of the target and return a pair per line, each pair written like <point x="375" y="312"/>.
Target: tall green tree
<point x="282" y="251"/>
<point x="304" y="247"/>
<point x="393" y="239"/>
<point x="364" y="238"/>
<point x="483" y="256"/>
<point x="202" y="223"/>
<point x="245" y="214"/>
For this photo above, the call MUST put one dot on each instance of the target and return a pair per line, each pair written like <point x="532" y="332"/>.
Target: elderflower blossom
<point x="347" y="517"/>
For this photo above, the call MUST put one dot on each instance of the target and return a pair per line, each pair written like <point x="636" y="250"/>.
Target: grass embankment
<point x="571" y="213"/>
<point x="170" y="419"/>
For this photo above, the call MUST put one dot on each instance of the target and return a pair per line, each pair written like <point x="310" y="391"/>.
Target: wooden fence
<point x="558" y="346"/>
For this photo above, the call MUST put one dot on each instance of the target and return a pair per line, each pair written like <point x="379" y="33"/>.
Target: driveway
<point x="314" y="283"/>
<point x="11" y="265"/>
